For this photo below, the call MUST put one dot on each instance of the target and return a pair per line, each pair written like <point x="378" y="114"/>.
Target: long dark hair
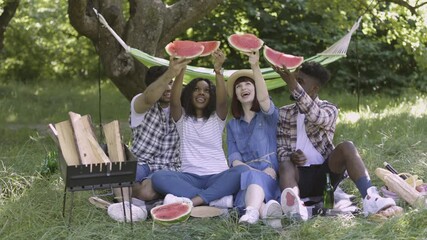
<point x="236" y="105"/>
<point x="187" y="96"/>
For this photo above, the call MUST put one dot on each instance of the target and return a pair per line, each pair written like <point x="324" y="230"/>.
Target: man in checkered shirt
<point x="306" y="151"/>
<point x="155" y="140"/>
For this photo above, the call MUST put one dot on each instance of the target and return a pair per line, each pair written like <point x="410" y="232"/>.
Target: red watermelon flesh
<point x="245" y="42"/>
<point x="281" y="59"/>
<point x="184" y="49"/>
<point x="171" y="213"/>
<point x="209" y="47"/>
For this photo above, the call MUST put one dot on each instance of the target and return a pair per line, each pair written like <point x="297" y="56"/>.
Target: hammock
<point x="273" y="80"/>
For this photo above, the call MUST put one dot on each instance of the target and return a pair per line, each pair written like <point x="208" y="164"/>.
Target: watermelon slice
<point x="184" y="49"/>
<point x="210" y="47"/>
<point x="245" y="42"/>
<point x="171" y="213"/>
<point x="279" y="59"/>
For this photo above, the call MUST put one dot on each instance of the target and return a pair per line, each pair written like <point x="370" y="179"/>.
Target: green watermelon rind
<point x="273" y="62"/>
<point x="207" y="53"/>
<point x="241" y="49"/>
<point x="179" y="219"/>
<point x="171" y="44"/>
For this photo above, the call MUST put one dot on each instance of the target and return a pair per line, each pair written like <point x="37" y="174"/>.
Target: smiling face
<point x="201" y="95"/>
<point x="166" y="97"/>
<point x="245" y="91"/>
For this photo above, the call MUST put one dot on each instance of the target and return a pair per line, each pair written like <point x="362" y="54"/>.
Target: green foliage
<point x="41" y="44"/>
<point x="388" y="51"/>
<point x="50" y="164"/>
<point x="387" y="54"/>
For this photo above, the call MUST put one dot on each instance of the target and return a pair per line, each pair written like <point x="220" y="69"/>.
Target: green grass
<point x="386" y="129"/>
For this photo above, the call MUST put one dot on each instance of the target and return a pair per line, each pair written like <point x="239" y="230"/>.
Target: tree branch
<point x="9" y="11"/>
<point x="405" y="4"/>
<point x="79" y="19"/>
<point x="183" y="15"/>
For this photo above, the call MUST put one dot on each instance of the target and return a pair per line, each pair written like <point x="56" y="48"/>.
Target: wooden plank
<point x="53" y="133"/>
<point x="98" y="152"/>
<point x="88" y="148"/>
<point x="67" y="143"/>
<point x="114" y="142"/>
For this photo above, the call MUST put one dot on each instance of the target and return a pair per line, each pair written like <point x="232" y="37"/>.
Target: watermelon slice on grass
<point x="184" y="49"/>
<point x="279" y="59"/>
<point x="245" y="42"/>
<point x="171" y="213"/>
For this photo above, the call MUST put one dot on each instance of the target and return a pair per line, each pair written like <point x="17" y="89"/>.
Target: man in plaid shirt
<point x="155" y="140"/>
<point x="306" y="151"/>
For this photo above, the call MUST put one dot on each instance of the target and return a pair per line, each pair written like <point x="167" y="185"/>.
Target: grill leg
<point x="124" y="206"/>
<point x="130" y="201"/>
<point x="64" y="199"/>
<point x="71" y="208"/>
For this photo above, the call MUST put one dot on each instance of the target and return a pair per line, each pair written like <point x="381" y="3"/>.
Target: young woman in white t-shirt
<point x="200" y="114"/>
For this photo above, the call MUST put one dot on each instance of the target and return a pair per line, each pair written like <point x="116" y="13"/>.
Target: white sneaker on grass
<point x="373" y="202"/>
<point x="272" y="214"/>
<point x="139" y="211"/>
<point x="292" y="205"/>
<point x="251" y="216"/>
<point x="170" y="198"/>
<point x="224" y="202"/>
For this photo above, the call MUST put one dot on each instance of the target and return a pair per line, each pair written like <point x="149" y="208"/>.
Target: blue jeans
<point x="208" y="187"/>
<point x="143" y="172"/>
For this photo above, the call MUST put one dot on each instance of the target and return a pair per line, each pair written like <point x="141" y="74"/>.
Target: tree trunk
<point x="150" y="26"/>
<point x="9" y="10"/>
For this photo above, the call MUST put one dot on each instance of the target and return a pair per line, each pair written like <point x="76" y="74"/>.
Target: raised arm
<point x="175" y="104"/>
<point x="155" y="90"/>
<point x="261" y="87"/>
<point x="221" y="92"/>
<point x="324" y="115"/>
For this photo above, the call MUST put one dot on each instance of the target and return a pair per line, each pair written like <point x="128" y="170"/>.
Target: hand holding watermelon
<point x="253" y="57"/>
<point x="219" y="59"/>
<point x="177" y="65"/>
<point x="284" y="73"/>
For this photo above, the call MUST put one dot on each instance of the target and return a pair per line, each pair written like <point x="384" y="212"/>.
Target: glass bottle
<point x="328" y="194"/>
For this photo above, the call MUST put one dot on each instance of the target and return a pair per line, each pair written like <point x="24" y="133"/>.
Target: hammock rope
<point x="273" y="80"/>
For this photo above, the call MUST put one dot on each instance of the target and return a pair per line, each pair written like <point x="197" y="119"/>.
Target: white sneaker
<point x="170" y="198"/>
<point x="251" y="216"/>
<point x="115" y="211"/>
<point x="374" y="203"/>
<point x="292" y="205"/>
<point x="224" y="202"/>
<point x="272" y="214"/>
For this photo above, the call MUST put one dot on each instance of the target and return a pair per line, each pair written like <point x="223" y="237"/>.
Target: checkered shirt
<point x="320" y="121"/>
<point x="155" y="141"/>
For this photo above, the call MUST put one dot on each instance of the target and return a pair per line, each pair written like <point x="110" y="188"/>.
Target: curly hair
<point x="316" y="71"/>
<point x="236" y="105"/>
<point x="187" y="96"/>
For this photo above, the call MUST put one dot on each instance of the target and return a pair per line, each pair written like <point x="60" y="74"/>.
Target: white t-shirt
<point x="201" y="145"/>
<point x="305" y="145"/>
<point x="137" y="118"/>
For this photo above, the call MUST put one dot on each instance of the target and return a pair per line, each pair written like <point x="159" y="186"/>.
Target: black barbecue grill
<point x="97" y="176"/>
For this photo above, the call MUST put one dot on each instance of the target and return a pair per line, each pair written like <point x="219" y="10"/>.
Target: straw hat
<point x="233" y="77"/>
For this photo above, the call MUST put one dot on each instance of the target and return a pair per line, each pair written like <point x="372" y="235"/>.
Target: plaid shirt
<point x="320" y="121"/>
<point x="155" y="141"/>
